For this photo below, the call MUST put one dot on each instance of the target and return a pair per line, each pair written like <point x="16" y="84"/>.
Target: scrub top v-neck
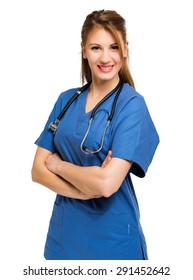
<point x="103" y="228"/>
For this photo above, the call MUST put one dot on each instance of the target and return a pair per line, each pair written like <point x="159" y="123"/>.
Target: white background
<point x="39" y="58"/>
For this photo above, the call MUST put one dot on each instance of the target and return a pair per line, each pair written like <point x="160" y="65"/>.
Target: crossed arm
<point x="79" y="182"/>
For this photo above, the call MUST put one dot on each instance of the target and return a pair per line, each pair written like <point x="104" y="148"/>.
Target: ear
<point x="125" y="50"/>
<point x="83" y="51"/>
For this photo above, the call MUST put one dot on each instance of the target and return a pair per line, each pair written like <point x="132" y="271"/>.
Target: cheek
<point x="92" y="61"/>
<point x="119" y="63"/>
<point x="117" y="58"/>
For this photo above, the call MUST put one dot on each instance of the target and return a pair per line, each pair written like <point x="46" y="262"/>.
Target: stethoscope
<point x="54" y="125"/>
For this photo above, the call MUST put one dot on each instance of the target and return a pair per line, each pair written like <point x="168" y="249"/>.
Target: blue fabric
<point x="104" y="228"/>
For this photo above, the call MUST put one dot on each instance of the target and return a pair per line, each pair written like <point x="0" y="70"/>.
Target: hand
<point x="52" y="161"/>
<point x="107" y="159"/>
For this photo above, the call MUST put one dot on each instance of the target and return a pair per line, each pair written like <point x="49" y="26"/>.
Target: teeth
<point x="106" y="68"/>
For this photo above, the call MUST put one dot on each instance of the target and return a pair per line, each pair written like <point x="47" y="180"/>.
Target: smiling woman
<point x="115" y="25"/>
<point x="103" y="56"/>
<point x="104" y="134"/>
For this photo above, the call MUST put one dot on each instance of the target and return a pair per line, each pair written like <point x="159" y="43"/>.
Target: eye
<point x="115" y="47"/>
<point x="95" y="48"/>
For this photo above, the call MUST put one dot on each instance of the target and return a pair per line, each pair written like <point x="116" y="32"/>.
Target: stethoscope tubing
<point x="54" y="125"/>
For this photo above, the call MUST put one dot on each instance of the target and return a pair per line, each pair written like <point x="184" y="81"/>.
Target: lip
<point x="105" y="68"/>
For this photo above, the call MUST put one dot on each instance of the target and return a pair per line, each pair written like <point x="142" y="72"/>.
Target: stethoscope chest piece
<point x="53" y="126"/>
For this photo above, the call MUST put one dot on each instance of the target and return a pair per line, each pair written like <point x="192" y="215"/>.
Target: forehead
<point x="100" y="36"/>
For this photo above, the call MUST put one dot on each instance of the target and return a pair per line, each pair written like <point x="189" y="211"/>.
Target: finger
<point x="107" y="159"/>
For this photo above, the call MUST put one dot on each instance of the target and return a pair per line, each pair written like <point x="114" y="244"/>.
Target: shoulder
<point x="65" y="95"/>
<point x="130" y="99"/>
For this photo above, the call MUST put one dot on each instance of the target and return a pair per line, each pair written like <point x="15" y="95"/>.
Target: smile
<point x="105" y="69"/>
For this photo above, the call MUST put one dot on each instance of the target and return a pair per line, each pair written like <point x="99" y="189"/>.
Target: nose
<point x="105" y="56"/>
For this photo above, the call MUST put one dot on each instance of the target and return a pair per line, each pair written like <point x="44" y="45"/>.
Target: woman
<point x="88" y="165"/>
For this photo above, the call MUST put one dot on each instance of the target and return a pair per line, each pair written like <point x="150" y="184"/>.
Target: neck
<point x="101" y="89"/>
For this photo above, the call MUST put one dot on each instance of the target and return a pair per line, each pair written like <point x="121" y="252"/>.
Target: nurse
<point x="95" y="214"/>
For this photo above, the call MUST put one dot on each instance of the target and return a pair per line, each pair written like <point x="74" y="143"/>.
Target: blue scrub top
<point x="103" y="228"/>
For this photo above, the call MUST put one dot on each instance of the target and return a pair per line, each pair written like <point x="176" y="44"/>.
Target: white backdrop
<point x="39" y="58"/>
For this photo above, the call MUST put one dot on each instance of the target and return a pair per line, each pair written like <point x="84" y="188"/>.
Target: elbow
<point x="107" y="189"/>
<point x="34" y="175"/>
<point x="107" y="193"/>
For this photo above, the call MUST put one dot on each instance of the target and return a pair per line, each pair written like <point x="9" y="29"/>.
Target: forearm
<point x="90" y="180"/>
<point x="41" y="175"/>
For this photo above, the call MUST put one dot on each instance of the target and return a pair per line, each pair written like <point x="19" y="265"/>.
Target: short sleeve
<point x="134" y="136"/>
<point x="46" y="138"/>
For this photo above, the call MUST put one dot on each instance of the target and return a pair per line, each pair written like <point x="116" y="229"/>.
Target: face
<point x="103" y="55"/>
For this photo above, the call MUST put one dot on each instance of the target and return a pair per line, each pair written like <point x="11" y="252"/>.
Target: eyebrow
<point x="96" y="44"/>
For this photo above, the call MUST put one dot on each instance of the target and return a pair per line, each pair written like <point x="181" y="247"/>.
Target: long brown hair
<point x="113" y="23"/>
